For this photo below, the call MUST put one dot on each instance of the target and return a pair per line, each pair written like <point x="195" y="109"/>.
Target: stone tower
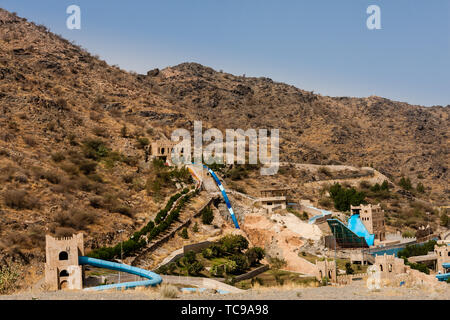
<point x="372" y="216"/>
<point x="442" y="251"/>
<point x="62" y="270"/>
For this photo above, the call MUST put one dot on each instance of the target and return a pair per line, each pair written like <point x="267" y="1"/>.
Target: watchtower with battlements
<point x="62" y="270"/>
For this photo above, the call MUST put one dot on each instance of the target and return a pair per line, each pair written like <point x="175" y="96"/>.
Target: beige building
<point x="62" y="270"/>
<point x="372" y="216"/>
<point x="275" y="198"/>
<point x="326" y="269"/>
<point x="441" y="249"/>
<point x="163" y="149"/>
<point x="390" y="264"/>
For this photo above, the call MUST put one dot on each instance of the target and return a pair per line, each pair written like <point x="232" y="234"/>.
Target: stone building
<point x="390" y="264"/>
<point x="327" y="269"/>
<point x="442" y="255"/>
<point x="62" y="270"/>
<point x="162" y="149"/>
<point x="274" y="198"/>
<point x="372" y="216"/>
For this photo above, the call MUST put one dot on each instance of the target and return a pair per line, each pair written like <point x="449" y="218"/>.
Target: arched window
<point x="381" y="267"/>
<point x="162" y="150"/>
<point x="63" y="255"/>
<point x="64" y="273"/>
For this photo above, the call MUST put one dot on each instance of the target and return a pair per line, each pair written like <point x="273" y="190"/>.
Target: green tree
<point x="348" y="268"/>
<point x="444" y="220"/>
<point x="254" y="255"/>
<point x="405" y="183"/>
<point x="420" y="188"/>
<point x="385" y="185"/>
<point x="232" y="244"/>
<point x="195" y="268"/>
<point x="124" y="131"/>
<point x="184" y="233"/>
<point x="207" y="215"/>
<point x="344" y="197"/>
<point x="195" y="227"/>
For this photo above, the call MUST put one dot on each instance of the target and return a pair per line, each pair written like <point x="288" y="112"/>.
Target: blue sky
<point x="322" y="46"/>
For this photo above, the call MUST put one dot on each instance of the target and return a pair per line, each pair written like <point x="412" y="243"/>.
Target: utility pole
<point x="120" y="232"/>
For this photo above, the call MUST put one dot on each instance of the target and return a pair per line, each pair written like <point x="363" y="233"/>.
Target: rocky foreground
<point x="351" y="292"/>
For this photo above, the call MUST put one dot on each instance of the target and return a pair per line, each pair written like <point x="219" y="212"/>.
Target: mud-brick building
<point x="163" y="149"/>
<point x="62" y="270"/>
<point x="274" y="198"/>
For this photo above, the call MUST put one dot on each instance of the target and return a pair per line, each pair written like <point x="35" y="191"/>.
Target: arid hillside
<point x="74" y="129"/>
<point x="396" y="138"/>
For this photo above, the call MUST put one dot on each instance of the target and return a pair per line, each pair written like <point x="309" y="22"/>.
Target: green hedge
<point x="137" y="241"/>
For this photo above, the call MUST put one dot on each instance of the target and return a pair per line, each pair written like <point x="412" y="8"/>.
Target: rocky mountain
<point x="61" y="108"/>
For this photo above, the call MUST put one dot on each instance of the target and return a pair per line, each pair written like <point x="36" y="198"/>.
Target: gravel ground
<point x="351" y="292"/>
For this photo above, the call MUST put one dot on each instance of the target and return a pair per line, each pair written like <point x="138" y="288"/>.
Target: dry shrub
<point x="9" y="275"/>
<point x="19" y="199"/>
<point x="100" y="132"/>
<point x="76" y="219"/>
<point x="168" y="291"/>
<point x="30" y="141"/>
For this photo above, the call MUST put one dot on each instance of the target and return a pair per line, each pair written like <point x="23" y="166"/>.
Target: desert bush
<point x="95" y="149"/>
<point x="124" y="210"/>
<point x="142" y="142"/>
<point x="100" y="131"/>
<point x="19" y="199"/>
<point x="88" y="167"/>
<point x="9" y="275"/>
<point x="76" y="219"/>
<point x="30" y="141"/>
<point x="96" y="202"/>
<point x="51" y="177"/>
<point x="58" y="156"/>
<point x="169" y="291"/>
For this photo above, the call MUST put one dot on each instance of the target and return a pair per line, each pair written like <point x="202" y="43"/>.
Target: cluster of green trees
<point x="137" y="241"/>
<point x="232" y="251"/>
<point x="161" y="215"/>
<point x="232" y="248"/>
<point x="344" y="197"/>
<point x="406" y="184"/>
<point x="417" y="249"/>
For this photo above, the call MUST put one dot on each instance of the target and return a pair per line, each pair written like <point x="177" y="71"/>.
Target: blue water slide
<point x="152" y="278"/>
<point x="355" y="224"/>
<point x="324" y="213"/>
<point x="444" y="276"/>
<point x="224" y="195"/>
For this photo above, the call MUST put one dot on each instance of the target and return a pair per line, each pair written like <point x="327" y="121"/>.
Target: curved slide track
<point x="152" y="278"/>
<point x="445" y="276"/>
